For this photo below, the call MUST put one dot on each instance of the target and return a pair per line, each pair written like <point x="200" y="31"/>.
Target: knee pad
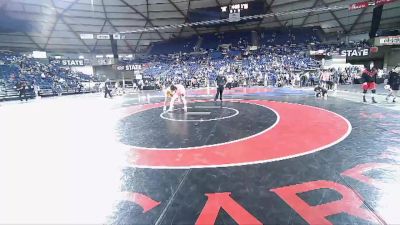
<point x="373" y="91"/>
<point x="364" y="91"/>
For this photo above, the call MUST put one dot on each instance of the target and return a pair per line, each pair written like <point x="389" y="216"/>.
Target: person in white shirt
<point x="174" y="92"/>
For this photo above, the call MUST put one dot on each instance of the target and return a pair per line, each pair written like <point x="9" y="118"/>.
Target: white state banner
<point x="86" y="36"/>
<point x="116" y="36"/>
<point x="103" y="36"/>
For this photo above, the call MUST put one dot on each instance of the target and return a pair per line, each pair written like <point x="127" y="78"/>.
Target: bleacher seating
<point x="267" y="61"/>
<point x="288" y="36"/>
<point x="237" y="39"/>
<point x="281" y="52"/>
<point x="183" y="45"/>
<point x="210" y="41"/>
<point x="49" y="79"/>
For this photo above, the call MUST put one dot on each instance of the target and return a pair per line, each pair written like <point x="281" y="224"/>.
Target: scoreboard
<point x="235" y="8"/>
<point x="228" y="11"/>
<point x="234" y="11"/>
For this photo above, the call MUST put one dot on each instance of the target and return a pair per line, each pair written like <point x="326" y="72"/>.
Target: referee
<point x="107" y="90"/>
<point x="221" y="81"/>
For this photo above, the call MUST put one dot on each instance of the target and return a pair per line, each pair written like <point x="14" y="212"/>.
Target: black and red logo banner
<point x="365" y="4"/>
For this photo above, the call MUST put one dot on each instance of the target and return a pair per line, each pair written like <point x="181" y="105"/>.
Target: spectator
<point x="107" y="89"/>
<point x="22" y="88"/>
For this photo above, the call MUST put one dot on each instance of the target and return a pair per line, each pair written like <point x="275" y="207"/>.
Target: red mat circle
<point x="301" y="130"/>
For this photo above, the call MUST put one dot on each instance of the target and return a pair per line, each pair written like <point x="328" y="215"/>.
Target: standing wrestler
<point x="369" y="78"/>
<point x="107" y="89"/>
<point x="325" y="77"/>
<point x="221" y="81"/>
<point x="174" y="92"/>
<point x="229" y="82"/>
<point x="394" y="83"/>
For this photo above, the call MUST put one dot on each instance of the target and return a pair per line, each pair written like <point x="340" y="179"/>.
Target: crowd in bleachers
<point x="276" y="67"/>
<point x="281" y="59"/>
<point x="263" y="65"/>
<point x="281" y="55"/>
<point x="39" y="77"/>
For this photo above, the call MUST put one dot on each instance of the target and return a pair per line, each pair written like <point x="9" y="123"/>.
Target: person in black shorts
<point x="320" y="92"/>
<point x="369" y="78"/>
<point x="221" y="81"/>
<point x="107" y="90"/>
<point x="22" y="88"/>
<point x="394" y="83"/>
